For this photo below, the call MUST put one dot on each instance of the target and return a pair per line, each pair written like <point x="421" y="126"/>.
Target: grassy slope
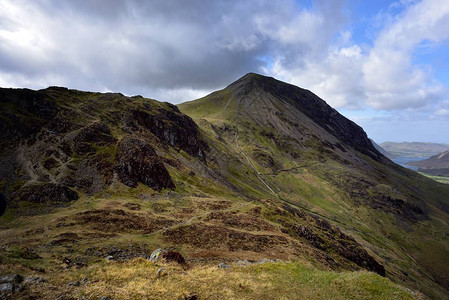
<point x="441" y="179"/>
<point x="137" y="278"/>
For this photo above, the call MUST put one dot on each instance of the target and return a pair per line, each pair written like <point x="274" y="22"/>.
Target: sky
<point x="383" y="64"/>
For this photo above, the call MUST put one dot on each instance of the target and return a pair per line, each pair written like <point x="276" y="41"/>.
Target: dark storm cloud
<point x="119" y="45"/>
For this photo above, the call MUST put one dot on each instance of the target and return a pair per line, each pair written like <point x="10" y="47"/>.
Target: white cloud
<point x="335" y="79"/>
<point x="391" y="78"/>
<point x="383" y="76"/>
<point x="131" y="46"/>
<point x="442" y="109"/>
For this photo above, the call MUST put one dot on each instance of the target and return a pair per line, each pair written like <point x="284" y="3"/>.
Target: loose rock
<point x="73" y="283"/>
<point x="167" y="256"/>
<point x="10" y="284"/>
<point x="223" y="266"/>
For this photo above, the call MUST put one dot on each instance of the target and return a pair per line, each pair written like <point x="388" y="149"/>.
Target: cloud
<point x="391" y="78"/>
<point x="127" y="45"/>
<point x="442" y="109"/>
<point x="154" y="46"/>
<point x="336" y="78"/>
<point x="175" y="50"/>
<point x="383" y="76"/>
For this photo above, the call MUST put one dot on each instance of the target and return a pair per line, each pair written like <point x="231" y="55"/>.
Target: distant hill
<point x="414" y="149"/>
<point x="434" y="165"/>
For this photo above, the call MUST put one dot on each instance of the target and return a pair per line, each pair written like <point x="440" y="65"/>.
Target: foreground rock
<point x="14" y="283"/>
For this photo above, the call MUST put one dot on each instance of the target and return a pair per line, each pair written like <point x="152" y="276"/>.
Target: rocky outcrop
<point x="47" y="193"/>
<point x="95" y="134"/>
<point x="174" y="128"/>
<point x="137" y="161"/>
<point x="24" y="112"/>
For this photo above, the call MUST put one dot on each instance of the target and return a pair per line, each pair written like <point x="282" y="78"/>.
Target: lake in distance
<point x="402" y="160"/>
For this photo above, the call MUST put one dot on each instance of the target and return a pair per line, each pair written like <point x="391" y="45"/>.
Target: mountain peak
<point x="252" y="76"/>
<point x="254" y="80"/>
<point x="279" y="105"/>
<point x="250" y="80"/>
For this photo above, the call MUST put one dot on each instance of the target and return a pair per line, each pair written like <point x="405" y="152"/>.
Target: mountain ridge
<point x="190" y="178"/>
<point x="303" y="100"/>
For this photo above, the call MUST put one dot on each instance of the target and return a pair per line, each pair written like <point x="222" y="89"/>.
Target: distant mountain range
<point x="412" y="149"/>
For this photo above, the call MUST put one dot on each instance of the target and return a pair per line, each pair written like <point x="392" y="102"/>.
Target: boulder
<point x="12" y="278"/>
<point x="6" y="288"/>
<point x="161" y="272"/>
<point x="10" y="284"/>
<point x="167" y="256"/>
<point x="155" y="255"/>
<point x="223" y="266"/>
<point x="47" y="193"/>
